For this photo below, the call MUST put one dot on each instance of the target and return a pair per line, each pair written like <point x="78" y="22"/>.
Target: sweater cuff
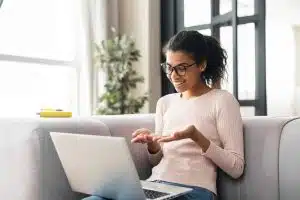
<point x="155" y="157"/>
<point x="212" y="150"/>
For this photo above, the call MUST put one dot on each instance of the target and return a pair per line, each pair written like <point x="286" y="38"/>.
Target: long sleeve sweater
<point x="216" y="115"/>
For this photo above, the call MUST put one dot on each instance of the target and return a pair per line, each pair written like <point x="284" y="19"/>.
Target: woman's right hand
<point x="144" y="136"/>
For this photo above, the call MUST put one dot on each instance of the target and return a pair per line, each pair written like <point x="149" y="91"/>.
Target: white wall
<point x="280" y="56"/>
<point x="280" y="62"/>
<point x="296" y="30"/>
<point x="141" y="19"/>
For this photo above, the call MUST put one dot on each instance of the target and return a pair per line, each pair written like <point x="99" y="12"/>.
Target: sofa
<point x="30" y="168"/>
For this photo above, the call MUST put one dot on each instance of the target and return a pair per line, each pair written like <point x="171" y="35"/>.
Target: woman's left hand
<point x="188" y="132"/>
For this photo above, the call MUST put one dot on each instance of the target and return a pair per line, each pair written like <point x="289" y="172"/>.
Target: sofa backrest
<point x="262" y="137"/>
<point x="124" y="126"/>
<point x="52" y="176"/>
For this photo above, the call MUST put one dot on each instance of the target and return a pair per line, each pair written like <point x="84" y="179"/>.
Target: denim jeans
<point x="196" y="194"/>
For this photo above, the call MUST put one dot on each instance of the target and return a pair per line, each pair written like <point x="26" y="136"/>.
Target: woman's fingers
<point x="148" y="138"/>
<point x="140" y="131"/>
<point x="142" y="138"/>
<point x="136" y="133"/>
<point x="156" y="138"/>
<point x="166" y="139"/>
<point x="138" y="139"/>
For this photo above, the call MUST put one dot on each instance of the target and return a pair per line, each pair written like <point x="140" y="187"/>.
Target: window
<point x="196" y="12"/>
<point x="225" y="6"/>
<point x="247" y="111"/>
<point x="37" y="57"/>
<point x="246" y="61"/>
<point x="244" y="7"/>
<point x="205" y="31"/>
<point x="226" y="42"/>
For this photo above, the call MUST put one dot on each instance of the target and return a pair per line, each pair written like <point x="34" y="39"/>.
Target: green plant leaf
<point x="116" y="57"/>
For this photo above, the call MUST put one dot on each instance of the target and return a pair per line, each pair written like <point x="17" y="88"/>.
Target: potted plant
<point x="115" y="57"/>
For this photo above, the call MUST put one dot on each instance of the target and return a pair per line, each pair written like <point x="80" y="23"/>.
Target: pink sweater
<point x="216" y="115"/>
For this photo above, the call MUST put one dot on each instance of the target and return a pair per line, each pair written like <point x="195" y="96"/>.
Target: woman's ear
<point x="203" y="66"/>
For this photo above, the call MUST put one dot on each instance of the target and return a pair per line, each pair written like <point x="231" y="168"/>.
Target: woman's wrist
<point x="153" y="147"/>
<point x="201" y="140"/>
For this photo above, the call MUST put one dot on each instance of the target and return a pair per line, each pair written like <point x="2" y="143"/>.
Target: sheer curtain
<point x="46" y="61"/>
<point x="96" y="17"/>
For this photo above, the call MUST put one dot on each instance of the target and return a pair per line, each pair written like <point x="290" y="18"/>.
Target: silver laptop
<point x="102" y="166"/>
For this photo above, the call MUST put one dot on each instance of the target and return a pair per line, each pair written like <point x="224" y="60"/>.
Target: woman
<point x="199" y="128"/>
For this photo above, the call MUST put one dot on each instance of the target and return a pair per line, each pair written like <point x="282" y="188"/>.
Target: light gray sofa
<point x="30" y="168"/>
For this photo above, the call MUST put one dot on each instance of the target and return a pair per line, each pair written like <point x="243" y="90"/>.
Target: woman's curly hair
<point x="202" y="48"/>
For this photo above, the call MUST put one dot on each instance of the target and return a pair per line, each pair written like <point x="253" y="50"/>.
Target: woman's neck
<point x="196" y="91"/>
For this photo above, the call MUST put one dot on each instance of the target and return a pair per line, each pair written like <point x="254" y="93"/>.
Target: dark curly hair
<point x="201" y="48"/>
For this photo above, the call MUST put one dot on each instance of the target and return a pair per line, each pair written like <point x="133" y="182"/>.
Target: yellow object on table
<point x="52" y="113"/>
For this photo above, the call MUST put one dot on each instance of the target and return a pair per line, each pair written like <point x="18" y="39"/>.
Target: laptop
<point x="103" y="166"/>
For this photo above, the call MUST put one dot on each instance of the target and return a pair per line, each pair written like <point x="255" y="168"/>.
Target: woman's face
<point x="188" y="72"/>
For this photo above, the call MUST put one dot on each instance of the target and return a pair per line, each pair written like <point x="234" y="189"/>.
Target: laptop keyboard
<point x="151" y="194"/>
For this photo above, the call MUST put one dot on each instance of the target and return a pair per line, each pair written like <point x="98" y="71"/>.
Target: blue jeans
<point x="196" y="194"/>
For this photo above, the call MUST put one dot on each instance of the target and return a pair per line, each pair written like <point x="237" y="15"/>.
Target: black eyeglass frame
<point x="166" y="66"/>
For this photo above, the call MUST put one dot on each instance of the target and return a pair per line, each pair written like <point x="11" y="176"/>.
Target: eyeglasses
<point x="179" y="69"/>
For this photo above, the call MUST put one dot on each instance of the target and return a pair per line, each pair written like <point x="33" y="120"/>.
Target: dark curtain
<point x="168" y="29"/>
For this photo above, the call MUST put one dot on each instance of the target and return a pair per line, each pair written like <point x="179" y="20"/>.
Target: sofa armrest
<point x="30" y="168"/>
<point x="260" y="179"/>
<point x="289" y="161"/>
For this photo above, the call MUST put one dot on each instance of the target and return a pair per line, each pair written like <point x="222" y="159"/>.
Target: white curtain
<point x="95" y="19"/>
